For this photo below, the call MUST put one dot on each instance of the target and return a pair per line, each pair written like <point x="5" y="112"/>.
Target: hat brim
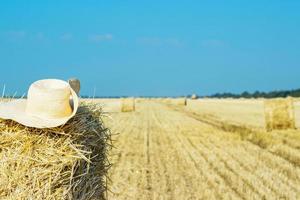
<point x="15" y="110"/>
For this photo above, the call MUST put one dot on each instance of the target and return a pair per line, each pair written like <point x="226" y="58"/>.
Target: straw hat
<point x="49" y="103"/>
<point x="75" y="84"/>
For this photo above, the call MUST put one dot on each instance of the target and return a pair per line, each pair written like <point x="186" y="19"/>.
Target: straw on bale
<point x="279" y="114"/>
<point x="179" y="101"/>
<point x="67" y="162"/>
<point x="128" y="105"/>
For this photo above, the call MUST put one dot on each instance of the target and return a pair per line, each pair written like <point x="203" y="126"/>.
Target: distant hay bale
<point x="279" y="114"/>
<point x="179" y="101"/>
<point x="67" y="162"/>
<point x="194" y="96"/>
<point x="138" y="100"/>
<point x="128" y="105"/>
<point x="158" y="99"/>
<point x="166" y="100"/>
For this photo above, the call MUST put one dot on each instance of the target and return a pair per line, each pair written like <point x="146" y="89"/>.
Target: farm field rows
<point x="164" y="153"/>
<point x="248" y="112"/>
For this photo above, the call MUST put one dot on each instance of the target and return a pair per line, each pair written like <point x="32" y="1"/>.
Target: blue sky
<point x="152" y="47"/>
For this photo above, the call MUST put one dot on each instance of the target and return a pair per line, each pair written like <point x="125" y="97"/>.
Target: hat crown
<point x="49" y="98"/>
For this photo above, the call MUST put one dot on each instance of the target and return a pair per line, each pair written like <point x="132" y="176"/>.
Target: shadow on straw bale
<point x="67" y="162"/>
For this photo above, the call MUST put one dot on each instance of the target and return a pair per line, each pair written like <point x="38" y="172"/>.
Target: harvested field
<point x="168" y="152"/>
<point x="241" y="111"/>
<point x="108" y="105"/>
<point x="248" y="112"/>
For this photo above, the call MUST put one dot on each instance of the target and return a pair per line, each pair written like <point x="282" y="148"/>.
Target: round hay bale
<point x="194" y="96"/>
<point x="279" y="114"/>
<point x="128" y="105"/>
<point x="66" y="162"/>
<point x="179" y="101"/>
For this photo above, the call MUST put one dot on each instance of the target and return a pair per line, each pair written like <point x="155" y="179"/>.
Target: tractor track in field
<point x="167" y="154"/>
<point x="196" y="164"/>
<point x="148" y="169"/>
<point x="187" y="143"/>
<point x="160" y="142"/>
<point x="250" y="134"/>
<point x="246" y="167"/>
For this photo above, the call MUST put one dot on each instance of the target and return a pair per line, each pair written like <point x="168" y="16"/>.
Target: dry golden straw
<point x="67" y="162"/>
<point x="128" y="105"/>
<point x="279" y="114"/>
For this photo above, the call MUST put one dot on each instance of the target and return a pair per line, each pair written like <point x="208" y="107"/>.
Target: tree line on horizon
<point x="258" y="94"/>
<point x="246" y="94"/>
